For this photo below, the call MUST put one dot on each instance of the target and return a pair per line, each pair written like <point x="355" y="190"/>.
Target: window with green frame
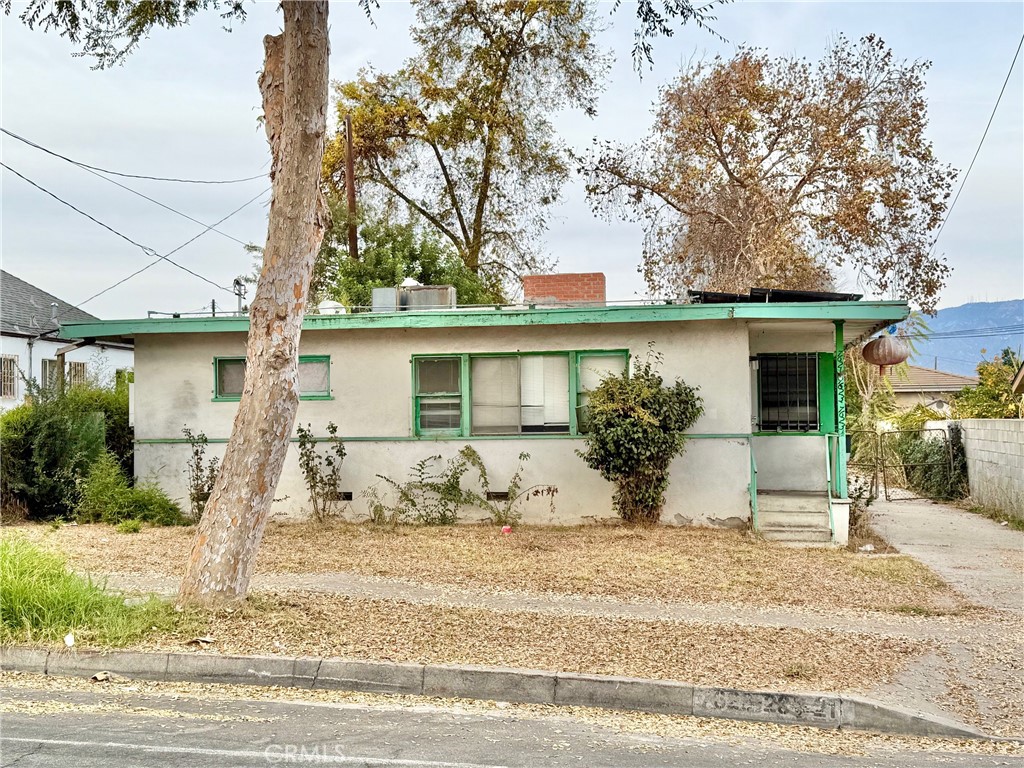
<point x="314" y="377"/>
<point x="507" y="394"/>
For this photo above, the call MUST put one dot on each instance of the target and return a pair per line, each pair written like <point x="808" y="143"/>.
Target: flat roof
<point x="870" y="316"/>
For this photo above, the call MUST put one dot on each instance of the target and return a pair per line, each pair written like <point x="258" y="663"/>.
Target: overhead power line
<point x="172" y="251"/>
<point x="89" y="169"/>
<point x="129" y="175"/>
<point x="144" y="248"/>
<point x="981" y="143"/>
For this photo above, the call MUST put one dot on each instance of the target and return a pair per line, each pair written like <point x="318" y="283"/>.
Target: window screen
<point x="315" y="376"/>
<point x="788" y="386"/>
<point x="230" y="377"/>
<point x="438" y="394"/>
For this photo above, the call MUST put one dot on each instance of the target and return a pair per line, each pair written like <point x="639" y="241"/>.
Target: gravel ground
<point x="121" y="695"/>
<point x="671" y="564"/>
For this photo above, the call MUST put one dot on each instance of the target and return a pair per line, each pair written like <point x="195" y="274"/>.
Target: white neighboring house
<point x="30" y="337"/>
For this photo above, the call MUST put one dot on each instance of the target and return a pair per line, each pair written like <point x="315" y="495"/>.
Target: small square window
<point x="314" y="377"/>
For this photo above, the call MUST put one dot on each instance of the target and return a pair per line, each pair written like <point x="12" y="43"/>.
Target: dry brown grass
<point x="316" y="625"/>
<point x="670" y="564"/>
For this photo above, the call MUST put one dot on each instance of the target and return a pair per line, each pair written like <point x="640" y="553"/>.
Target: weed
<point x="106" y="497"/>
<point x="132" y="525"/>
<point x="41" y="601"/>
<point x="504" y="510"/>
<point x="322" y="471"/>
<point x="998" y="515"/>
<point x="202" y="474"/>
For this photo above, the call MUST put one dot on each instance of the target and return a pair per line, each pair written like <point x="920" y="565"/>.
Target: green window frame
<point x="430" y="398"/>
<point x="220" y="368"/>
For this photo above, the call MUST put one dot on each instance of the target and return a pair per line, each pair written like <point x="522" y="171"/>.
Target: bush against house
<point x="51" y="442"/>
<point x="636" y="426"/>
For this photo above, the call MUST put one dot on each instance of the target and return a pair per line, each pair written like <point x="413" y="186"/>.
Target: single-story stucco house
<point x="769" y="449"/>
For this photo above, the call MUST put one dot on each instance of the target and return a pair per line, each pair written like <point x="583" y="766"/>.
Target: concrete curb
<point x="494" y="684"/>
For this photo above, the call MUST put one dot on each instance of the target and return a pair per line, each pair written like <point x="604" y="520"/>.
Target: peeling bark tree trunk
<point x="294" y="88"/>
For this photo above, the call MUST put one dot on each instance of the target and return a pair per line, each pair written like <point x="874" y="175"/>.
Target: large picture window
<point x="788" y="392"/>
<point x="507" y="394"/>
<point x="314" y="377"/>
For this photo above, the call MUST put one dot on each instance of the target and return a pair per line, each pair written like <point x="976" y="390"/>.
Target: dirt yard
<point x="660" y="564"/>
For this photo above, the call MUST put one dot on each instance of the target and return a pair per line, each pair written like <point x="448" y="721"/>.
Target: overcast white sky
<point x="186" y="103"/>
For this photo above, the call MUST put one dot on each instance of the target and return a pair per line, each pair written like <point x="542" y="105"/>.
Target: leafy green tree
<point x="636" y="426"/>
<point x="391" y="251"/>
<point x="993" y="398"/>
<point x="462" y="133"/>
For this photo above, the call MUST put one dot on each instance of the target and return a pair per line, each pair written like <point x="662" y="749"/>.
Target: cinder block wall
<point x="995" y="462"/>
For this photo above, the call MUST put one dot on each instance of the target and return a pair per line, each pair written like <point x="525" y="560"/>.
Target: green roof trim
<point x="882" y="312"/>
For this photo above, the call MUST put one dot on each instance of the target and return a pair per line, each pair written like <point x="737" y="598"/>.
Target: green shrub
<point x="636" y="427"/>
<point x="50" y="443"/>
<point x="106" y="497"/>
<point x="932" y="467"/>
<point x="41" y="601"/>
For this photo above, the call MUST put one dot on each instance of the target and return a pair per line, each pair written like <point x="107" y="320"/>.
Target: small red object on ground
<point x="506" y="529"/>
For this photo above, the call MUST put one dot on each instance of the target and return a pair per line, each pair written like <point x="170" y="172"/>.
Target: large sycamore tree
<point x="462" y="133"/>
<point x="294" y="84"/>
<point x="776" y="172"/>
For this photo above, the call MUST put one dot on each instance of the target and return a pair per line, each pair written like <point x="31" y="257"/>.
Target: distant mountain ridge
<point x="963" y="353"/>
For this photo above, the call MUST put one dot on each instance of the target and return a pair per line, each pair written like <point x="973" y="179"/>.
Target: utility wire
<point x="89" y="169"/>
<point x="981" y="143"/>
<point x="128" y="175"/>
<point x="174" y="250"/>
<point x="144" y="248"/>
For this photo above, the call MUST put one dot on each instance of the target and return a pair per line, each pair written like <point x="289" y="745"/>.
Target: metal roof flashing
<point x="877" y="313"/>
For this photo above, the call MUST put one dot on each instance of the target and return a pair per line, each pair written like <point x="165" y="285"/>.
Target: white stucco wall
<point x="371" y="385"/>
<point x="790" y="462"/>
<point x="101" y="361"/>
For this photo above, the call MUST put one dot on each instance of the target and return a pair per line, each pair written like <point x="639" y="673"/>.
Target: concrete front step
<point x="788" y="518"/>
<point x="797" y="535"/>
<point x="791" y="501"/>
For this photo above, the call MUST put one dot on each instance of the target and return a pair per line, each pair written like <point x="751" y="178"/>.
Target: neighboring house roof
<point x="25" y="310"/>
<point x="859" y="318"/>
<point x="931" y="380"/>
<point x="1018" y="381"/>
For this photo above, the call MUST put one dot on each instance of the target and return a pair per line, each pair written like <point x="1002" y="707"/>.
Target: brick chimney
<point x="571" y="288"/>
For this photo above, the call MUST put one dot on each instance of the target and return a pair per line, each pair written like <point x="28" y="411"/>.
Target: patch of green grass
<point x="132" y="525"/>
<point x="1012" y="521"/>
<point x="41" y="601"/>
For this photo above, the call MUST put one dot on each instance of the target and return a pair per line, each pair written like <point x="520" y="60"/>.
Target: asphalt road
<point x="83" y="730"/>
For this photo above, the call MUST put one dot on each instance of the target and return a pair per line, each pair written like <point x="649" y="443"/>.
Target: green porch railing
<point x="752" y="487"/>
<point x="831" y="478"/>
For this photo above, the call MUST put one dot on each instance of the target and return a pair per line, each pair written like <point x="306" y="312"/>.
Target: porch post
<point x="840" y="361"/>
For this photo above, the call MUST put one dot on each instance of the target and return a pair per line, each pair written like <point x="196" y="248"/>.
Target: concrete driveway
<point x="983" y="559"/>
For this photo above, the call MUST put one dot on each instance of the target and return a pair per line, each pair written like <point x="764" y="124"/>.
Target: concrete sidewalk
<point x="981" y="558"/>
